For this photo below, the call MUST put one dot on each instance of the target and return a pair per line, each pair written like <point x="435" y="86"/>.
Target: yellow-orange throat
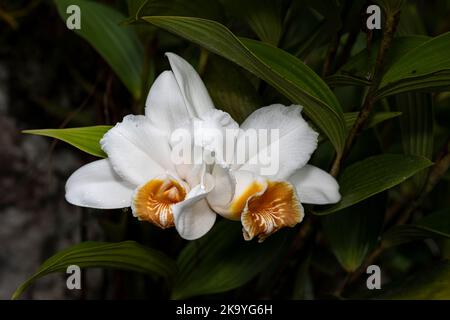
<point x="276" y="208"/>
<point x="153" y="201"/>
<point x="238" y="204"/>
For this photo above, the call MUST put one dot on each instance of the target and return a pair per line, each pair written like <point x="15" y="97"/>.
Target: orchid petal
<point x="266" y="213"/>
<point x="137" y="150"/>
<point x="194" y="92"/>
<point x="232" y="191"/>
<point x="193" y="217"/>
<point x="315" y="186"/>
<point x="224" y="190"/>
<point x="165" y="105"/>
<point x="96" y="185"/>
<point x="288" y="152"/>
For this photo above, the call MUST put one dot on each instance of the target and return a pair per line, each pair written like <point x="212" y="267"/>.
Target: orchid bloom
<point x="139" y="172"/>
<point x="266" y="203"/>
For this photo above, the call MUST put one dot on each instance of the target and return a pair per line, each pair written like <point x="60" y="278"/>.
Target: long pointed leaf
<point x="361" y="225"/>
<point x="374" y="175"/>
<point x="86" y="139"/>
<point x="426" y="67"/>
<point x="435" y="225"/>
<point x="417" y="125"/>
<point x="127" y="255"/>
<point x="117" y="44"/>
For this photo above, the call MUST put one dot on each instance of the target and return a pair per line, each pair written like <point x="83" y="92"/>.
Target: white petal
<point x="238" y="186"/>
<point x="137" y="150"/>
<point x="315" y="186"/>
<point x="224" y="187"/>
<point x="165" y="105"/>
<point x="197" y="176"/>
<point x="193" y="217"/>
<point x="96" y="185"/>
<point x="290" y="151"/>
<point x="193" y="90"/>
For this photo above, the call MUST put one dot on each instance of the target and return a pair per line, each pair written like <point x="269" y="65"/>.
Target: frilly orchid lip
<point x="139" y="171"/>
<point x="153" y="201"/>
<point x="267" y="212"/>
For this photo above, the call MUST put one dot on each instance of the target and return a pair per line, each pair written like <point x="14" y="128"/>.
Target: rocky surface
<point x="35" y="219"/>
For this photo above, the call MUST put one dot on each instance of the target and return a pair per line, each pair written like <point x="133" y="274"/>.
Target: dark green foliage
<point x="395" y="184"/>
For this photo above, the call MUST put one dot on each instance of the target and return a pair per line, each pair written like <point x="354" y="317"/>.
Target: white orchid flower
<point x="139" y="171"/>
<point x="266" y="203"/>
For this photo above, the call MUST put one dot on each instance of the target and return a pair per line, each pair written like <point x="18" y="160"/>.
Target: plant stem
<point x="329" y="62"/>
<point x="371" y="97"/>
<point x="331" y="53"/>
<point x="366" y="109"/>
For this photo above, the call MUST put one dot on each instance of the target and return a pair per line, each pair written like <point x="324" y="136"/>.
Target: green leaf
<point x="86" y="139"/>
<point x="426" y="67"/>
<point x="361" y="224"/>
<point x="343" y="80"/>
<point x="432" y="283"/>
<point x="308" y="84"/>
<point x="286" y="73"/>
<point x="127" y="255"/>
<point x="359" y="69"/>
<point x="117" y="44"/>
<point x="222" y="260"/>
<point x="136" y="6"/>
<point x="311" y="41"/>
<point x="376" y="118"/>
<point x="263" y="17"/>
<point x="435" y="225"/>
<point x="230" y="88"/>
<point x="193" y="8"/>
<point x="417" y="126"/>
<point x="374" y="175"/>
<point x="304" y="31"/>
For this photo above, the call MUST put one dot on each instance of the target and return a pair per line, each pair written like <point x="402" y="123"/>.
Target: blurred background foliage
<point x="391" y="159"/>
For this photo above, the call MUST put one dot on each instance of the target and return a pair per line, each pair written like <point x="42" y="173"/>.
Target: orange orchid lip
<point x="153" y="201"/>
<point x="276" y="208"/>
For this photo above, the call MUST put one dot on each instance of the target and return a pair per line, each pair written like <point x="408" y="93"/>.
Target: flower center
<point x="276" y="208"/>
<point x="153" y="201"/>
